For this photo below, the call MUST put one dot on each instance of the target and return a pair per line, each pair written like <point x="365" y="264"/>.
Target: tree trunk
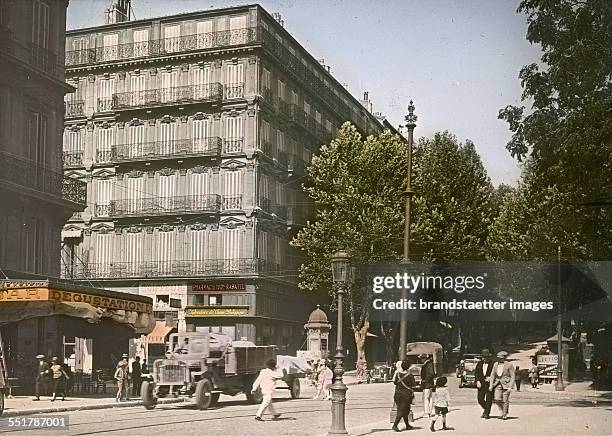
<point x="360" y="338"/>
<point x="388" y="330"/>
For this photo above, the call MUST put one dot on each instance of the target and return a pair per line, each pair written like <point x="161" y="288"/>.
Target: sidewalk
<point x="18" y="406"/>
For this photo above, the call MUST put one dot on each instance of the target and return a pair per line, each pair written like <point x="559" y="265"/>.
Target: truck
<point x="432" y="349"/>
<point x="204" y="365"/>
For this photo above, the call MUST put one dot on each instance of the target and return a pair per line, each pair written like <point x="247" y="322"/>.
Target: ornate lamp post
<point x="559" y="385"/>
<point x="411" y="119"/>
<point x="340" y="273"/>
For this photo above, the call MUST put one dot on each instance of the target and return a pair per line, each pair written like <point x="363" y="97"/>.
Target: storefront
<point x="87" y="328"/>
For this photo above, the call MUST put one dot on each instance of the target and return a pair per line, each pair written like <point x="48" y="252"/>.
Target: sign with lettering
<point x="216" y="287"/>
<point x="204" y="311"/>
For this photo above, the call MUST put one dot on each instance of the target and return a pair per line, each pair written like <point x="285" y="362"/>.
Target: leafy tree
<point x="566" y="135"/>
<point x="356" y="185"/>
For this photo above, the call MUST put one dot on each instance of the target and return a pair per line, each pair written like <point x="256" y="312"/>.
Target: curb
<point x="17" y="412"/>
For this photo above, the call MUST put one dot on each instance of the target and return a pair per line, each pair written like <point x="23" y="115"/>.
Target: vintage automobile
<point x="466" y="369"/>
<point x="414" y="349"/>
<point x="380" y="372"/>
<point x="204" y="365"/>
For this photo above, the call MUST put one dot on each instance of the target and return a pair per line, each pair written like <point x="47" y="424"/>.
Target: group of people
<point x="123" y="376"/>
<point x="323" y="377"/>
<point x="57" y="376"/>
<point x="494" y="382"/>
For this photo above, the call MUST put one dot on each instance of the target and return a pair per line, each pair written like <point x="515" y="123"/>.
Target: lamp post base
<point x="338" y="425"/>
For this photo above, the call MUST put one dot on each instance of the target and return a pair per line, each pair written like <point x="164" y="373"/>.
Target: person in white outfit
<point x="266" y="381"/>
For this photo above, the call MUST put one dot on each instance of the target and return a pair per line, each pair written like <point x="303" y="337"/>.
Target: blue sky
<point x="458" y="60"/>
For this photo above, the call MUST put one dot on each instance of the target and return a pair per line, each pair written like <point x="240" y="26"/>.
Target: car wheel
<point x="146" y="394"/>
<point x="294" y="388"/>
<point x="203" y="394"/>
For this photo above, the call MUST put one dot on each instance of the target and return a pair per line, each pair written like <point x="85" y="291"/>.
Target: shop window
<point x="198" y="300"/>
<point x="214" y="300"/>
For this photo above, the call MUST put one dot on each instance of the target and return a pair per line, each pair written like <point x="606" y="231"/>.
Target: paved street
<point x="368" y="406"/>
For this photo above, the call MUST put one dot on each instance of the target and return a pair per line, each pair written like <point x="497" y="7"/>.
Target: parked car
<point x="380" y="372"/>
<point x="466" y="369"/>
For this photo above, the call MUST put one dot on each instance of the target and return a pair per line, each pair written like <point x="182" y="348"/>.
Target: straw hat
<point x="40" y="356"/>
<point x="502" y="354"/>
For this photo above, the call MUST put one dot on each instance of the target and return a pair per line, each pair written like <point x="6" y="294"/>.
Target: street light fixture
<point x="341" y="264"/>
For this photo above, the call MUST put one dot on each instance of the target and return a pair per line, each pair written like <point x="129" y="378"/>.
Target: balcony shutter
<point x="165" y="251"/>
<point x="168" y="84"/>
<point x="167" y="138"/>
<point x="201" y="83"/>
<point x="73" y="141"/>
<point x="106" y="89"/>
<point x="232" y="190"/>
<point x="103" y="255"/>
<point x="231" y="249"/>
<point x="133" y="252"/>
<point x="172" y="38"/>
<point x="134" y="193"/>
<point x="110" y="43"/>
<point x="237" y="27"/>
<point x="166" y="190"/>
<point x="199" y="246"/>
<point x="234" y="81"/>
<point x="40" y="23"/>
<point x="205" y="36"/>
<point x="199" y="134"/>
<point x="104" y="195"/>
<point x="141" y="43"/>
<point x="233" y="128"/>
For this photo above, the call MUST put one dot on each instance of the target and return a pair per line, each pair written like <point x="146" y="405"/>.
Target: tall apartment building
<point x="35" y="197"/>
<point x="193" y="132"/>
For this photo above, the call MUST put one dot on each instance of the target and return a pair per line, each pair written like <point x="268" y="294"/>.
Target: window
<point x="266" y="80"/>
<point x="204" y="33"/>
<point x="199" y="246"/>
<point x="73" y="141"/>
<point x="104" y="191"/>
<point x="215" y="300"/>
<point x="37" y="138"/>
<point x="141" y="43"/>
<point x="106" y="140"/>
<point x="294" y="97"/>
<point x="165" y="254"/>
<point x="234" y="81"/>
<point x="137" y="89"/>
<point x="102" y="252"/>
<point x="133" y="252"/>
<point x="172" y="38"/>
<point x="167" y="138"/>
<point x="281" y="89"/>
<point x="306" y="107"/>
<point x="280" y="140"/>
<point x="232" y="190"/>
<point x="106" y="89"/>
<point x="231" y="250"/>
<point x="40" y="23"/>
<point x="201" y="82"/>
<point x="134" y="192"/>
<point x="168" y="84"/>
<point x="200" y="132"/>
<point x="234" y="135"/>
<point x="238" y="30"/>
<point x="110" y="43"/>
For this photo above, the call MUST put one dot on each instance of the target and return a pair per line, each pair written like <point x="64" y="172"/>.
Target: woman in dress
<point x="404" y="381"/>
<point x="59" y="378"/>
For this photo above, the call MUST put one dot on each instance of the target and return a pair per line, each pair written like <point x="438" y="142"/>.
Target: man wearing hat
<point x="121" y="375"/>
<point x="483" y="378"/>
<point x="42" y="376"/>
<point x="502" y="382"/>
<point x="428" y="375"/>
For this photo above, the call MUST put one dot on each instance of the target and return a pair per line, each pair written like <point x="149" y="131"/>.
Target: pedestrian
<point x="483" y="381"/>
<point x="144" y="369"/>
<point x="441" y="401"/>
<point x="136" y="376"/>
<point x="403" y="396"/>
<point x="59" y="378"/>
<point x="121" y="375"/>
<point x="534" y="374"/>
<point x="502" y="382"/>
<point x="327" y="376"/>
<point x="266" y="381"/>
<point x="318" y="378"/>
<point x="42" y="377"/>
<point x="428" y="374"/>
<point x="517" y="378"/>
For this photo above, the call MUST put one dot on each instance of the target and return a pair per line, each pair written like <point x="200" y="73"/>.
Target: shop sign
<point x="216" y="311"/>
<point x="216" y="287"/>
<point x="175" y="303"/>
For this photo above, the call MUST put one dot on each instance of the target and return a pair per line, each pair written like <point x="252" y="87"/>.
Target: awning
<point x="72" y="233"/>
<point x="159" y="333"/>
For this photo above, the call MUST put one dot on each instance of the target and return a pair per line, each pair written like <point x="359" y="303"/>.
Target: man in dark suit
<point x="42" y="377"/>
<point x="483" y="379"/>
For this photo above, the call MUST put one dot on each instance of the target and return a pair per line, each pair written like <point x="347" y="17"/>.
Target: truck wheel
<point x="146" y="394"/>
<point x="254" y="397"/>
<point x="214" y="398"/>
<point x="203" y="394"/>
<point x="294" y="387"/>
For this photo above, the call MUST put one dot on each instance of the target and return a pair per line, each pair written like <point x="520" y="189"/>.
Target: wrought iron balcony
<point x="102" y="209"/>
<point x="296" y="216"/>
<point x="104" y="156"/>
<point x="170" y="268"/>
<point x="277" y="210"/>
<point x="105" y="105"/>
<point x="163" y="46"/>
<point x="267" y="95"/>
<point x="166" y="205"/>
<point x="72" y="158"/>
<point x="296" y="166"/>
<point x="210" y="146"/>
<point x="36" y="56"/>
<point x="234" y="90"/>
<point x="210" y="92"/>
<point x="31" y="175"/>
<point x="233" y="145"/>
<point x="74" y="108"/>
<point x="233" y="202"/>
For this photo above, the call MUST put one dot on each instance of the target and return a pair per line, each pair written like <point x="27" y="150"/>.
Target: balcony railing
<point x="296" y="166"/>
<point x="233" y="145"/>
<point x="171" y="268"/>
<point x="72" y="158"/>
<point x="39" y="57"/>
<point x="159" y="149"/>
<point x="162" y="47"/>
<point x="165" y="96"/>
<point x="29" y="174"/>
<point x="102" y="209"/>
<point x="232" y="202"/>
<point x="166" y="205"/>
<point x="277" y="210"/>
<point x="234" y="90"/>
<point x="104" y="156"/>
<point x="105" y="105"/>
<point x="74" y="108"/>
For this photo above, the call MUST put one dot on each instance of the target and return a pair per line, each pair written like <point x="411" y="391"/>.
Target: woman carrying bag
<point x="403" y="395"/>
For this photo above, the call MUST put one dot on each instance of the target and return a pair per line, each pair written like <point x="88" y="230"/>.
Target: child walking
<point x="441" y="401"/>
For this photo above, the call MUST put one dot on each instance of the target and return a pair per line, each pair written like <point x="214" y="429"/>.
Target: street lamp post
<point x="340" y="273"/>
<point x="559" y="386"/>
<point x="411" y="119"/>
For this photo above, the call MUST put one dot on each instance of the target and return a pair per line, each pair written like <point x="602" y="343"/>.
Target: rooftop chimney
<point x="119" y="12"/>
<point x="278" y="18"/>
<point x="366" y="103"/>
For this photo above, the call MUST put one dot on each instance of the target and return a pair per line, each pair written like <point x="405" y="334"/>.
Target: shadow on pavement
<point x="595" y="403"/>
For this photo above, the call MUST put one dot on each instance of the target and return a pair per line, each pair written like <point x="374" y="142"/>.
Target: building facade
<point x="193" y="133"/>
